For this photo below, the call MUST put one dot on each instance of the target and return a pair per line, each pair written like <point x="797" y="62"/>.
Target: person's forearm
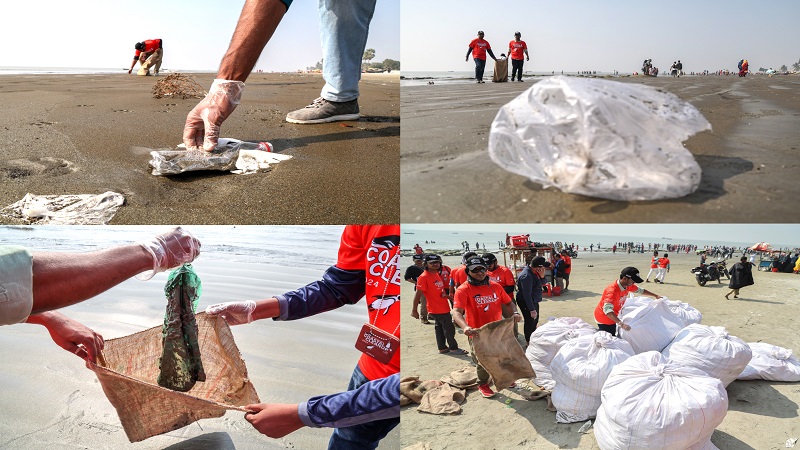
<point x="375" y="400"/>
<point x="257" y="23"/>
<point x="63" y="279"/>
<point x="337" y="288"/>
<point x="458" y="318"/>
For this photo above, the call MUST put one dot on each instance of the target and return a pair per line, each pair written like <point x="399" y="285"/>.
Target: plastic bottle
<point x="263" y="146"/>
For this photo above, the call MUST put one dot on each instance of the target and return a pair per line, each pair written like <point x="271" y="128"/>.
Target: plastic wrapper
<point x="600" y="138"/>
<point x="230" y="155"/>
<point x="82" y="209"/>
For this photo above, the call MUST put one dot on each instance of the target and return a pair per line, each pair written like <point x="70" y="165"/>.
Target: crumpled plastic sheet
<point x="84" y="209"/>
<point x="227" y="156"/>
<point x="600" y="138"/>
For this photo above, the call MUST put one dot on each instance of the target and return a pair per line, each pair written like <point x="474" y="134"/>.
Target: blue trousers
<point x="480" y="64"/>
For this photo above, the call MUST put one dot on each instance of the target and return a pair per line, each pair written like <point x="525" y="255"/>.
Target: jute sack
<point x="498" y="351"/>
<point x="128" y="377"/>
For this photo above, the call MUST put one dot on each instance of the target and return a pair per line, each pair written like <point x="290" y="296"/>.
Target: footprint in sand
<point x="48" y="167"/>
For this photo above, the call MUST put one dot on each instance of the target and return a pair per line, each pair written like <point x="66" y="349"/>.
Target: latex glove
<point x="72" y="335"/>
<point x="235" y="313"/>
<point x="274" y="420"/>
<point x="169" y="250"/>
<point x="203" y="122"/>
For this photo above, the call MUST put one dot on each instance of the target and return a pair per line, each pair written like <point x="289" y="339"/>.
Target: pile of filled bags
<point x="660" y="384"/>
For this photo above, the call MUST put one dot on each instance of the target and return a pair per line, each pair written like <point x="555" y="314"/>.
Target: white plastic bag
<point x="580" y="369"/>
<point x="688" y="313"/>
<point x="547" y="340"/>
<point x="81" y="209"/>
<point x="650" y="402"/>
<point x="607" y="139"/>
<point x="653" y="325"/>
<point x="771" y="362"/>
<point x="710" y="349"/>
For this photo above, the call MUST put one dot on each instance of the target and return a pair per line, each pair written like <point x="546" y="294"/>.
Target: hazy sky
<point x="607" y="35"/>
<point x="196" y="33"/>
<point x="775" y="234"/>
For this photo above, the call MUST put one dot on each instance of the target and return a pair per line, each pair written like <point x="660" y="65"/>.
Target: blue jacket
<point x="529" y="288"/>
<point x="374" y="400"/>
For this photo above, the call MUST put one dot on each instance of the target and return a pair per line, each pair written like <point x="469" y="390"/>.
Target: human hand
<point x="274" y="420"/>
<point x="517" y="317"/>
<point x="415" y="314"/>
<point x="534" y="314"/>
<point x="129" y="71"/>
<point x="72" y="335"/>
<point x="624" y="326"/>
<point x="203" y="122"/>
<point x="469" y="331"/>
<point x="235" y="313"/>
<point x="169" y="250"/>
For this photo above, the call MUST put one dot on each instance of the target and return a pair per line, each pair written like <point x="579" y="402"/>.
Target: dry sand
<point x="749" y="159"/>
<point x="761" y="414"/>
<point x="87" y="134"/>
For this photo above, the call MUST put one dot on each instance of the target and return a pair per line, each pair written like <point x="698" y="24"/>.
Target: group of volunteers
<point x="517" y="52"/>
<point x="480" y="291"/>
<point x="659" y="266"/>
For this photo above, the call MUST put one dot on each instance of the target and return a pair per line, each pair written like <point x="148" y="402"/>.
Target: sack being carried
<point x="607" y="139"/>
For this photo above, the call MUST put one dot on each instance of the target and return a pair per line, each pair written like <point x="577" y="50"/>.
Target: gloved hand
<point x="169" y="250"/>
<point x="203" y="122"/>
<point x="235" y="313"/>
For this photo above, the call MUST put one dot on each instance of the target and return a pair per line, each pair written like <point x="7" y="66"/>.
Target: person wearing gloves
<point x="477" y="302"/>
<point x="149" y="53"/>
<point x="34" y="284"/>
<point x="344" y="26"/>
<point x="529" y="293"/>
<point x="368" y="265"/>
<point x="606" y="314"/>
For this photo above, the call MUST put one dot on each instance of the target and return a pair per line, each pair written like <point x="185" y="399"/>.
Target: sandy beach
<point x="88" y="134"/>
<point x="761" y="414"/>
<point x="749" y="159"/>
<point x="50" y="399"/>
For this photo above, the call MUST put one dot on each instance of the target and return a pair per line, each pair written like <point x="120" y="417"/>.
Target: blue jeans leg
<point x="344" y="26"/>
<point x="364" y="436"/>
<point x="480" y="65"/>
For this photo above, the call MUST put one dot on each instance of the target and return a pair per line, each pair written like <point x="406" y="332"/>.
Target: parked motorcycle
<point x="723" y="269"/>
<point x="708" y="272"/>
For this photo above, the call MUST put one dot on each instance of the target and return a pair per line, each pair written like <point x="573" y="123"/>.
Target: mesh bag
<point x="128" y="377"/>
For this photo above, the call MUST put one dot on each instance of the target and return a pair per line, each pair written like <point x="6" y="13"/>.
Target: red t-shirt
<point x="432" y="286"/>
<point x="654" y="262"/>
<point x="150" y="45"/>
<point x="568" y="263"/>
<point x="663" y="263"/>
<point x="375" y="249"/>
<point x="517" y="49"/>
<point x="459" y="275"/>
<point x="502" y="275"/>
<point x="615" y="295"/>
<point x="481" y="304"/>
<point x="446" y="272"/>
<point x="479" y="47"/>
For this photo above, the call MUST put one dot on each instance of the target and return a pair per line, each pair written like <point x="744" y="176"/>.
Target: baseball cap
<point x="489" y="258"/>
<point x="480" y="32"/>
<point x="139" y="46"/>
<point x="517" y="34"/>
<point x="475" y="262"/>
<point x="467" y="256"/>
<point x="430" y="257"/>
<point x="418" y="257"/>
<point x="539" y="261"/>
<point x="632" y="273"/>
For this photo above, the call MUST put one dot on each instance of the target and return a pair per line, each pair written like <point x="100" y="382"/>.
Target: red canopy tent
<point x="761" y="247"/>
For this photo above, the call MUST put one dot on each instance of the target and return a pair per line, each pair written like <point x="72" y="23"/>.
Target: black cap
<point x="517" y="34"/>
<point x="418" y="257"/>
<point x="430" y="257"/>
<point x="539" y="261"/>
<point x="467" y="256"/>
<point x="632" y="273"/>
<point x="139" y="46"/>
<point x="475" y="262"/>
<point x="489" y="258"/>
<point x="480" y="32"/>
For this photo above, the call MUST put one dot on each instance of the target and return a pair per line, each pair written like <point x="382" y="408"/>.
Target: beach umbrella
<point x="761" y="247"/>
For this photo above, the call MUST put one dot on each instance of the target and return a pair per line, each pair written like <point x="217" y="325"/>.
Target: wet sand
<point x="87" y="134"/>
<point x="761" y="414"/>
<point x="749" y="159"/>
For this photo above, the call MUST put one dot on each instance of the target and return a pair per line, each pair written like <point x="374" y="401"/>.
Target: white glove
<point x="204" y="121"/>
<point x="235" y="313"/>
<point x="170" y="250"/>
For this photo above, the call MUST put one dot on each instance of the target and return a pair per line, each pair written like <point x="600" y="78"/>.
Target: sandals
<point x="459" y="351"/>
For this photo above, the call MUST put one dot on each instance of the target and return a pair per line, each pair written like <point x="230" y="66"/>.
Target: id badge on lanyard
<point x="377" y="343"/>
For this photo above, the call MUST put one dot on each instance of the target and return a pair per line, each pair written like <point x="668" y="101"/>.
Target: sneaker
<point x="520" y="80"/>
<point x="486" y="391"/>
<point x="323" y="111"/>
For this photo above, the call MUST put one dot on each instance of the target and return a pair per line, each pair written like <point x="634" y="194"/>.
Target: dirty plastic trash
<point x="607" y="139"/>
<point x="585" y="427"/>
<point x="230" y="155"/>
<point x="82" y="209"/>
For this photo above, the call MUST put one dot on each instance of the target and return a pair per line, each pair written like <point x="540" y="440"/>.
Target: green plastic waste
<point x="180" y="364"/>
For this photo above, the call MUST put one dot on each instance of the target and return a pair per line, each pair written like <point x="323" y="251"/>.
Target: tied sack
<point x="710" y="349"/>
<point x="649" y="401"/>
<point x="606" y="139"/>
<point x="498" y="351"/>
<point x="547" y="340"/>
<point x="128" y="378"/>
<point x="771" y="362"/>
<point x="653" y="325"/>
<point x="688" y="313"/>
<point x="580" y="369"/>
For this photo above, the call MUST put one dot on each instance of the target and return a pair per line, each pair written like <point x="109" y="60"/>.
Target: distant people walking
<point x="653" y="267"/>
<point x="741" y="276"/>
<point x="516" y="49"/>
<point x="663" y="268"/>
<point x="744" y="67"/>
<point x="679" y="66"/>
<point x="478" y="47"/>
